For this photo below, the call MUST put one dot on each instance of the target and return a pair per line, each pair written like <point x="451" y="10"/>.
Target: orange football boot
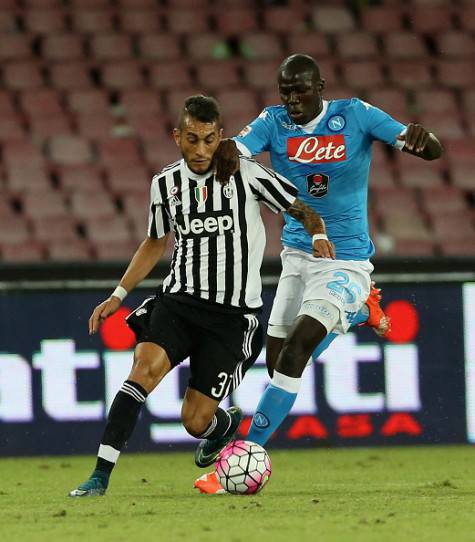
<point x="377" y="320"/>
<point x="209" y="483"/>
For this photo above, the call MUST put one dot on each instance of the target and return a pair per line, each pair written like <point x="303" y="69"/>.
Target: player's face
<point x="198" y="142"/>
<point x="301" y="94"/>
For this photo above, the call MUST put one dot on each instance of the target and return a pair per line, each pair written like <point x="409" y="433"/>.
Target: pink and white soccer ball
<point x="243" y="467"/>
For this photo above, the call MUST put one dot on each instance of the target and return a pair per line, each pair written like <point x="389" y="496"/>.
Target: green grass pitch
<point x="348" y="495"/>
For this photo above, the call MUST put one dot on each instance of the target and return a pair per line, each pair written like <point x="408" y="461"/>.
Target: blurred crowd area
<point x="90" y="89"/>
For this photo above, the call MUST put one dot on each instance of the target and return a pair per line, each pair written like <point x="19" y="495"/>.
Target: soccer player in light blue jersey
<point x="324" y="148"/>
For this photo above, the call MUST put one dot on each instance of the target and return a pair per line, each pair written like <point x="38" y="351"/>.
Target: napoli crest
<point x="336" y="123"/>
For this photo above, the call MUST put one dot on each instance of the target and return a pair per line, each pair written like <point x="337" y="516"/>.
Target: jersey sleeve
<point x="378" y="124"/>
<point x="255" y="137"/>
<point x="275" y="191"/>
<point x="158" y="221"/>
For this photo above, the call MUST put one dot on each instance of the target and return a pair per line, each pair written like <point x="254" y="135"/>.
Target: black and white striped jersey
<point x="219" y="233"/>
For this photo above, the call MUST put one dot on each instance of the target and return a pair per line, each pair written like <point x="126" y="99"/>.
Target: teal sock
<point x="274" y="406"/>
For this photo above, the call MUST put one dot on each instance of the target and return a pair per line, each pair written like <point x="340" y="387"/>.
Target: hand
<point x="102" y="311"/>
<point x="415" y="138"/>
<point x="226" y="160"/>
<point x="324" y="249"/>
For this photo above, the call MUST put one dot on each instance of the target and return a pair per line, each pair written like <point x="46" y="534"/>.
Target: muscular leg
<point x="151" y="364"/>
<point x="197" y="412"/>
<point x="273" y="348"/>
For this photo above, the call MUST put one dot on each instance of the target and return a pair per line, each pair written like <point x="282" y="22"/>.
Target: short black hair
<point x="202" y="108"/>
<point x="299" y="63"/>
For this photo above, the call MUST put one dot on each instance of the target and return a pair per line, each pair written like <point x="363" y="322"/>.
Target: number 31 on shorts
<point x="224" y="378"/>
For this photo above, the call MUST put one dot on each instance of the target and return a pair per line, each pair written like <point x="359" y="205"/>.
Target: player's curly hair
<point x="202" y="108"/>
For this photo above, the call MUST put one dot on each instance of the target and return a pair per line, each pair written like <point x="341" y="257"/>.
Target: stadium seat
<point x="8" y="23"/>
<point x="107" y="229"/>
<point x="23" y="252"/>
<point x="468" y="101"/>
<point x="159" y="47"/>
<point x="363" y="75"/>
<point x="139" y="21"/>
<point x="333" y="19"/>
<point x="462" y="176"/>
<point x="49" y="204"/>
<point x="27" y="177"/>
<point x="88" y="21"/>
<point x="175" y="100"/>
<point x="54" y="228"/>
<point x="436" y="101"/>
<point x="394" y="200"/>
<point x="140" y="102"/>
<point x="118" y="151"/>
<point x="236" y="21"/>
<point x="456" y="74"/>
<point x="12" y="126"/>
<point x="260" y="46"/>
<point x="170" y="75"/>
<point x="411" y="74"/>
<point x="136" y="205"/>
<point x="14" y="47"/>
<point x="446" y="126"/>
<point x="443" y="200"/>
<point x="83" y="178"/>
<point x="187" y="21"/>
<point x="147" y="126"/>
<point x="62" y="47"/>
<point x="437" y="21"/>
<point x="285" y="20"/>
<point x="115" y="251"/>
<point x="88" y="101"/>
<point x="414" y="247"/>
<point x="14" y="152"/>
<point x="382" y="18"/>
<point x="457" y="225"/>
<point x="389" y="99"/>
<point x="69" y="251"/>
<point x="309" y="43"/>
<point x="91" y="205"/>
<point x="261" y="75"/>
<point x="123" y="180"/>
<point x="406" y="226"/>
<point x="41" y="102"/>
<point x="122" y="75"/>
<point x="22" y="75"/>
<point x="45" y="21"/>
<point x="460" y="247"/>
<point x="235" y="102"/>
<point x="218" y="74"/>
<point x="110" y="46"/>
<point x="13" y="230"/>
<point x="467" y="18"/>
<point x="456" y="45"/>
<point x="95" y="126"/>
<point x="42" y="128"/>
<point x="70" y="150"/>
<point x="460" y="151"/>
<point x="356" y="45"/>
<point x="161" y="152"/>
<point x="381" y="175"/>
<point x="404" y="45"/>
<point x="207" y="46"/>
<point x="70" y="75"/>
<point x="6" y="103"/>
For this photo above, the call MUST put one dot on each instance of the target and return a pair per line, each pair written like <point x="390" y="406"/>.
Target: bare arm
<point x="314" y="224"/>
<point x="420" y="142"/>
<point x="144" y="260"/>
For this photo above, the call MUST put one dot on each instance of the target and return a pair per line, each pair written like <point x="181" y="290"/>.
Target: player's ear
<point x="177" y="136"/>
<point x="321" y="85"/>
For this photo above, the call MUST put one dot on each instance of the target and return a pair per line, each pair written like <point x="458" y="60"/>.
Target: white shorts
<point x="343" y="284"/>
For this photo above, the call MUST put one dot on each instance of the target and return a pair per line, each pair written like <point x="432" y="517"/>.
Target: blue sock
<point x="360" y="318"/>
<point x="276" y="402"/>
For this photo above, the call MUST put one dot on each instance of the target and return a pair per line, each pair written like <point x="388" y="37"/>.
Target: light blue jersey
<point x="329" y="165"/>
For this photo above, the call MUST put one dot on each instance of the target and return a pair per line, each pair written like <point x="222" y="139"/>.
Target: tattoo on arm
<point x="311" y="220"/>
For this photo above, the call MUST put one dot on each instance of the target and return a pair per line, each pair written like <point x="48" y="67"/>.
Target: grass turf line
<point x="332" y="495"/>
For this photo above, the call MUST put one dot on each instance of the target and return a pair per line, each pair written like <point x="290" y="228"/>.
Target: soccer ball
<point x="243" y="467"/>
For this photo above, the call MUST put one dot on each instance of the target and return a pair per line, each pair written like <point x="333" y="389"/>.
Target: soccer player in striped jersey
<point x="207" y="309"/>
<point x="324" y="148"/>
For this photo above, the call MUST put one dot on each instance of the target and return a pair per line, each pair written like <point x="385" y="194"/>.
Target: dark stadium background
<point x="89" y="91"/>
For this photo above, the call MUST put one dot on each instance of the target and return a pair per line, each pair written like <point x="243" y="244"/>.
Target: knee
<point x="292" y="359"/>
<point x="146" y="372"/>
<point x="195" y="424"/>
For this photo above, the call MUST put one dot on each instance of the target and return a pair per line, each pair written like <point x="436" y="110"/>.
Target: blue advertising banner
<point x="57" y="382"/>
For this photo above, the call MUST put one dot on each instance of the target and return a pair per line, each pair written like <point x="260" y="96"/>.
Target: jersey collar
<point x="310" y="126"/>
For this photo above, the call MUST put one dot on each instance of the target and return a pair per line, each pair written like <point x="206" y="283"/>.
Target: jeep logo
<point x="205" y="224"/>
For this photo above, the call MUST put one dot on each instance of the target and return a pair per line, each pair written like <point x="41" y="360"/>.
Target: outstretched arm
<point x="420" y="142"/>
<point x="144" y="260"/>
<point x="315" y="226"/>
